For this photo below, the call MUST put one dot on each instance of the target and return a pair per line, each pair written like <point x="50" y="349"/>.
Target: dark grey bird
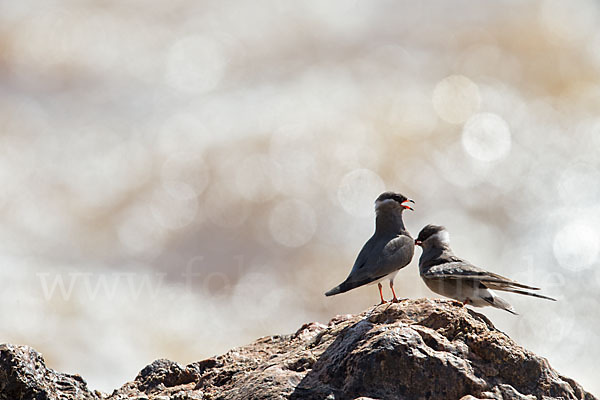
<point x="389" y="249"/>
<point x="456" y="278"/>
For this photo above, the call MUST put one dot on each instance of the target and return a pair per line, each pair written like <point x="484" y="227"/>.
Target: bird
<point x="446" y="274"/>
<point x="389" y="249"/>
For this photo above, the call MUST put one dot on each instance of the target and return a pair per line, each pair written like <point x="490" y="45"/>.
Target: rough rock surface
<point x="417" y="349"/>
<point x="23" y="375"/>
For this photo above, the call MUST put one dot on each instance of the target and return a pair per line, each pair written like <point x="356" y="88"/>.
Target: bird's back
<point x="437" y="259"/>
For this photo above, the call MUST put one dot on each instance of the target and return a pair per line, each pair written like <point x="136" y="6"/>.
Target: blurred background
<point x="182" y="177"/>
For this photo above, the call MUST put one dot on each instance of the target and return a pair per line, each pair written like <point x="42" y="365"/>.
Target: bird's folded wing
<point x="364" y="257"/>
<point x="380" y="257"/>
<point x="465" y="271"/>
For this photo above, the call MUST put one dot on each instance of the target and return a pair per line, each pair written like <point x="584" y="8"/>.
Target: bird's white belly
<point x="389" y="277"/>
<point x="464" y="292"/>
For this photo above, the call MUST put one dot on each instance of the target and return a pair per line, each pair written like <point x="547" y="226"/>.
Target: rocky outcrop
<point x="23" y="375"/>
<point x="412" y="350"/>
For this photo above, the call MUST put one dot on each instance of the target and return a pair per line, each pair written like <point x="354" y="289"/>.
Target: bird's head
<point x="389" y="201"/>
<point x="433" y="235"/>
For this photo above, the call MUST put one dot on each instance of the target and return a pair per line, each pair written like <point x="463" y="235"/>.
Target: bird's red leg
<point x="381" y="294"/>
<point x="395" y="299"/>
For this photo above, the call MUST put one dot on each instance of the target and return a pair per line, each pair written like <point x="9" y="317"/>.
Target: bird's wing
<point x="396" y="254"/>
<point x="456" y="268"/>
<point x="365" y="256"/>
<point x="381" y="257"/>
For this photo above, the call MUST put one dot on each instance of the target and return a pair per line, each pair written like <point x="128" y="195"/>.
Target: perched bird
<point x="389" y="249"/>
<point x="453" y="277"/>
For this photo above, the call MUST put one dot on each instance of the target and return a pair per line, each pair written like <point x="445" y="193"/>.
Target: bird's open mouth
<point x="418" y="242"/>
<point x="406" y="205"/>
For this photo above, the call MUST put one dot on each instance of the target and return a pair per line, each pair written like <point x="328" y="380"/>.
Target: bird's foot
<point x="396" y="300"/>
<point x="382" y="302"/>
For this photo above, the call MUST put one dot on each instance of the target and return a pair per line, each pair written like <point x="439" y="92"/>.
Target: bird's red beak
<point x="406" y="205"/>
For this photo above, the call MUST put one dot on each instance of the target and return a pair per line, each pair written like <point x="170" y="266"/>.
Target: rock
<point x="24" y="375"/>
<point x="417" y="349"/>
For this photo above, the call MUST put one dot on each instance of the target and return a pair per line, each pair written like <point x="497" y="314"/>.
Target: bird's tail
<point x="341" y="288"/>
<point x="351" y="284"/>
<point x="335" y="290"/>
<point x="500" y="303"/>
<point x="525" y="292"/>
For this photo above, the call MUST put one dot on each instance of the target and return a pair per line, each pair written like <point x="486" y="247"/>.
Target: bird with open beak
<point x="390" y="249"/>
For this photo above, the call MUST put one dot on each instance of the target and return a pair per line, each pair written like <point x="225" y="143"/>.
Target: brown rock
<point x="24" y="375"/>
<point x="417" y="349"/>
<point x="412" y="350"/>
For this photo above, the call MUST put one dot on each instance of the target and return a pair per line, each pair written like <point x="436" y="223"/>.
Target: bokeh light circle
<point x="174" y="205"/>
<point x="195" y="64"/>
<point x="292" y="223"/>
<point x="187" y="167"/>
<point x="564" y="23"/>
<point x="486" y="137"/>
<point x="577" y="184"/>
<point x="456" y="98"/>
<point x="139" y="234"/>
<point x="358" y="190"/>
<point x="576" y="246"/>
<point x="255" y="179"/>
